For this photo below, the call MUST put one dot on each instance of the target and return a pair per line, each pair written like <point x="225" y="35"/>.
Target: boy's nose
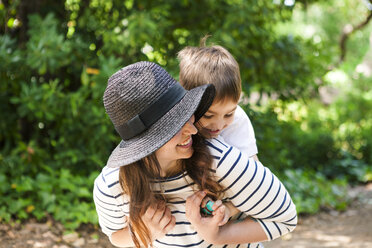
<point x="220" y="125"/>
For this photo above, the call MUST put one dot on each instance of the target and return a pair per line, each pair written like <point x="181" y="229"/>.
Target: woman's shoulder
<point x="107" y="182"/>
<point x="217" y="145"/>
<point x="110" y="175"/>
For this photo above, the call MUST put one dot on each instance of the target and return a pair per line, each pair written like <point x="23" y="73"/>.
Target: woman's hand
<point x="207" y="227"/>
<point x="159" y="220"/>
<point x="230" y="210"/>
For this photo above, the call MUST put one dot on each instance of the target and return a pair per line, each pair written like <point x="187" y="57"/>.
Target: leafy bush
<point x="66" y="196"/>
<point x="56" y="136"/>
<point x="312" y="191"/>
<point x="313" y="155"/>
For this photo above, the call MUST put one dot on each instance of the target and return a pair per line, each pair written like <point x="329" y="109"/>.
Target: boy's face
<point x="219" y="115"/>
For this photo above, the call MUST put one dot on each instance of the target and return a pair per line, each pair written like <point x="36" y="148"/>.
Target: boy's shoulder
<point x="240" y="133"/>
<point x="240" y="115"/>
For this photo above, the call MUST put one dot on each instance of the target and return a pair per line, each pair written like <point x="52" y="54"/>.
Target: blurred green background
<point x="306" y="68"/>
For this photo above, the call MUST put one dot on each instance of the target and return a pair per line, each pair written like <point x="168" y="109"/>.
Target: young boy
<point x="215" y="65"/>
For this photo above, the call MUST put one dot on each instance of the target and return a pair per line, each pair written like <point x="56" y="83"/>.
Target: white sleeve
<point x="240" y="133"/>
<point x="254" y="189"/>
<point x="111" y="216"/>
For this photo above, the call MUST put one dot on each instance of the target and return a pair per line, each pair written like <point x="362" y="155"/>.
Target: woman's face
<point x="179" y="147"/>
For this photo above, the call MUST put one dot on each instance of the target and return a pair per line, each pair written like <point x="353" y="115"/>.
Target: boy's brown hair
<point x="210" y="65"/>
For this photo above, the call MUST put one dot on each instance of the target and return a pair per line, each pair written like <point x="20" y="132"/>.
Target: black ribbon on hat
<point x="152" y="113"/>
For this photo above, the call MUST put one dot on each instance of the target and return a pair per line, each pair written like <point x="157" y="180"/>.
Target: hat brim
<point x="196" y="101"/>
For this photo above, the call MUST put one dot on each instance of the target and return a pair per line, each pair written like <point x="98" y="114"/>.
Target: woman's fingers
<point x="158" y="215"/>
<point x="193" y="205"/>
<point x="219" y="215"/>
<point x="170" y="225"/>
<point x="226" y="217"/>
<point x="158" y="218"/>
<point x="226" y="213"/>
<point x="166" y="222"/>
<point x="216" y="205"/>
<point x="194" y="201"/>
<point x="149" y="212"/>
<point x="198" y="198"/>
<point x="166" y="218"/>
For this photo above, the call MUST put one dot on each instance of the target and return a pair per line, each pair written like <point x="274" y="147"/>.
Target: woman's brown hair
<point x="136" y="179"/>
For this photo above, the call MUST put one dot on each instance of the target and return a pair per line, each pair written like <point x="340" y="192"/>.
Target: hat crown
<point x="133" y="88"/>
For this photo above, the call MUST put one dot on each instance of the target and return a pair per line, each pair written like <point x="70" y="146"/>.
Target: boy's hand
<point x="159" y="220"/>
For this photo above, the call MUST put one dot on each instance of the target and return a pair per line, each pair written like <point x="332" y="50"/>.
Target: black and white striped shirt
<point x="250" y="186"/>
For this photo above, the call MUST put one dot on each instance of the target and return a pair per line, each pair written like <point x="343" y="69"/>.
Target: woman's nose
<point x="189" y="127"/>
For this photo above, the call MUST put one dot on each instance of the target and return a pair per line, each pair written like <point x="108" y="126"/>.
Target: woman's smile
<point x="179" y="147"/>
<point x="187" y="143"/>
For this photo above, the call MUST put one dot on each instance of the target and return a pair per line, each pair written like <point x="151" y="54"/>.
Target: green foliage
<point x="312" y="191"/>
<point x="287" y="132"/>
<point x="47" y="50"/>
<point x="56" y="135"/>
<point x="307" y="155"/>
<point x="67" y="196"/>
<point x="318" y="148"/>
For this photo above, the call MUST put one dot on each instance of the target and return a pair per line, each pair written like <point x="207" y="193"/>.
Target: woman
<point x="151" y="189"/>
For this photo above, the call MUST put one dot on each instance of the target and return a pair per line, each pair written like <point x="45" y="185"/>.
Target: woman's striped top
<point x="250" y="186"/>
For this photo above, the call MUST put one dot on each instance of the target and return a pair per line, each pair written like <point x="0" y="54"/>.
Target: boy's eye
<point x="207" y="116"/>
<point x="229" y="115"/>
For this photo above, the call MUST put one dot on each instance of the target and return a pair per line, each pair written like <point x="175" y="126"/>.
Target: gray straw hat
<point x="148" y="107"/>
